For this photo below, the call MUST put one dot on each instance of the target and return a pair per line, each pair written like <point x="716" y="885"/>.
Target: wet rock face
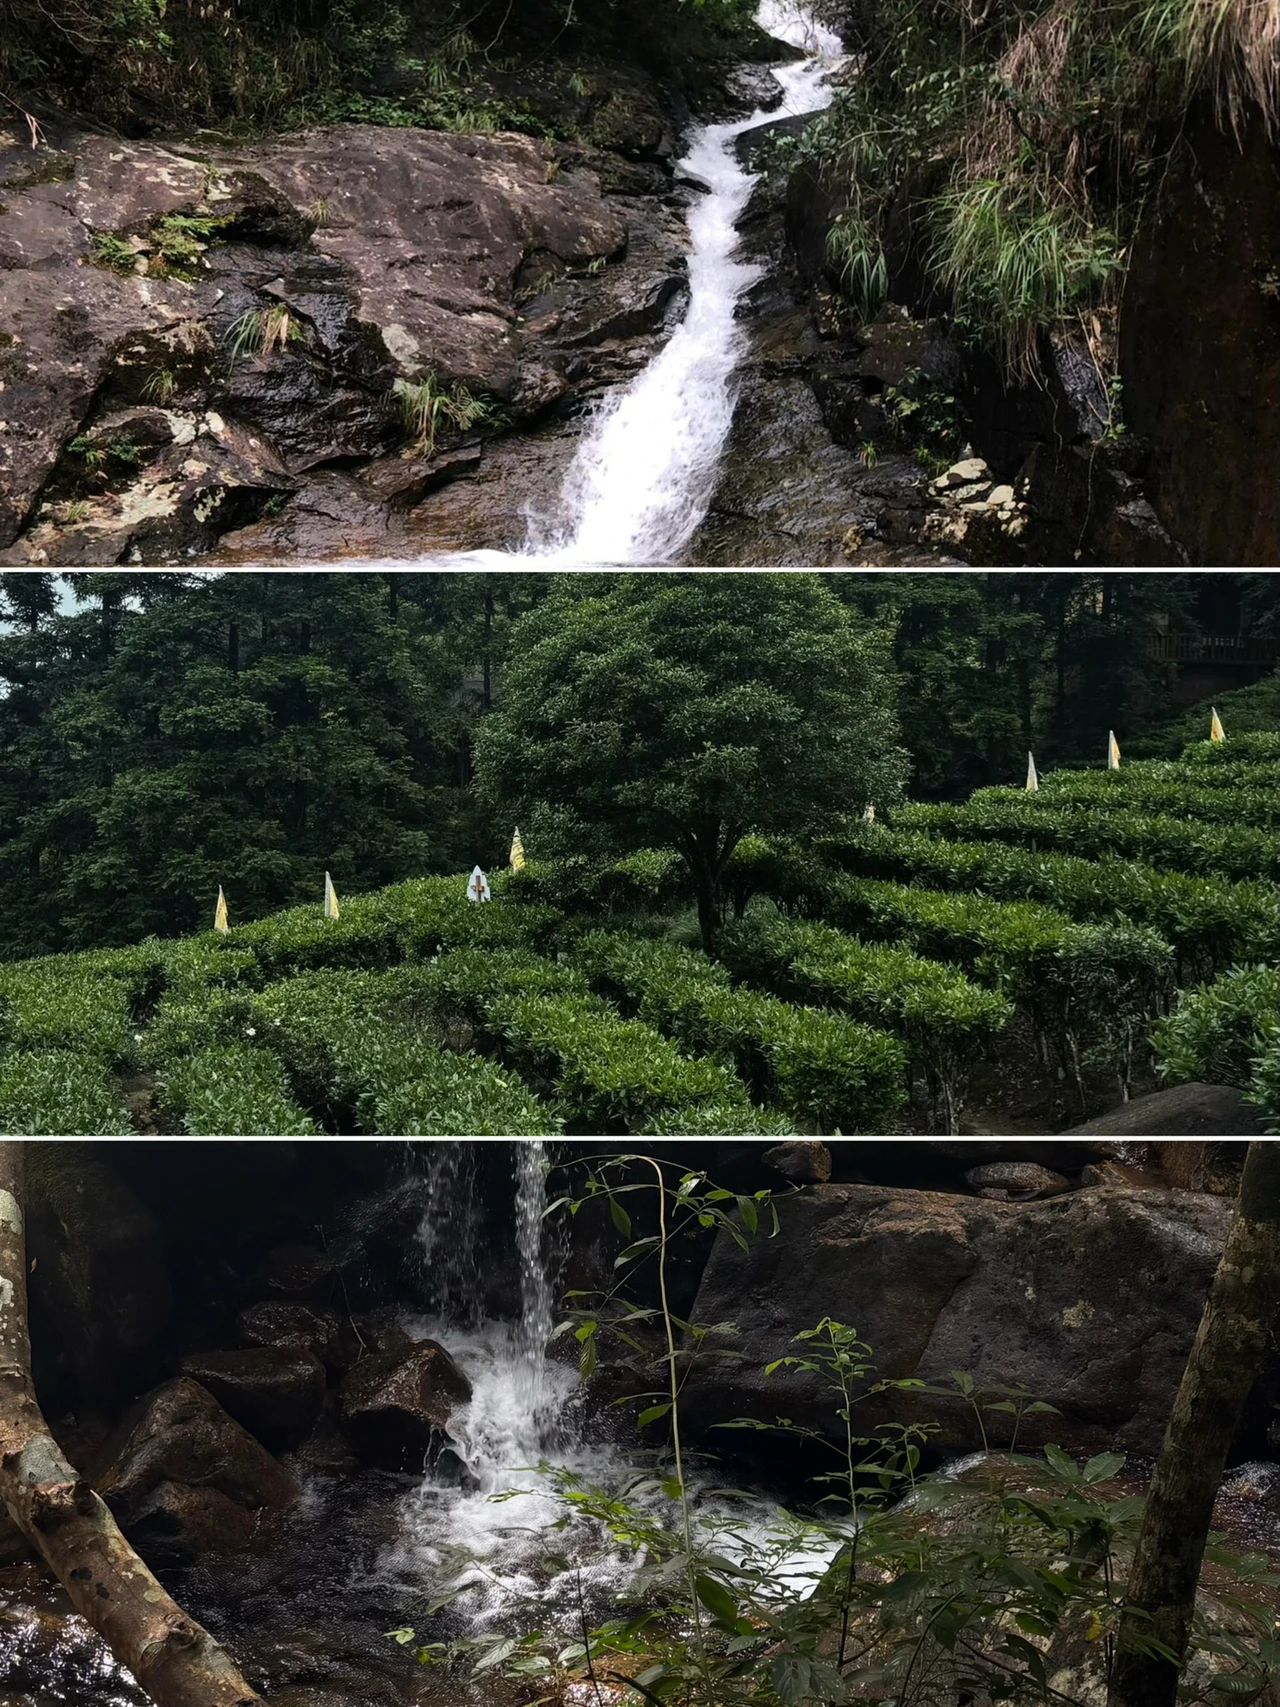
<point x="185" y="340"/>
<point x="1074" y="491"/>
<point x="1057" y="1296"/>
<point x="272" y="1391"/>
<point x="288" y="1326"/>
<point x="1018" y="1181"/>
<point x="184" y="1478"/>
<point x="100" y="1291"/>
<point x="1200" y="344"/>
<point x="396" y="1406"/>
<point x="804" y="1161"/>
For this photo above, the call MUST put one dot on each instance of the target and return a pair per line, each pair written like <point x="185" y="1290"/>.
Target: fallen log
<point x="174" y="1659"/>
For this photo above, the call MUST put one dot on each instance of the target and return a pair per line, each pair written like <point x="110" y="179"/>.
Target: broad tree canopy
<point x="687" y="710"/>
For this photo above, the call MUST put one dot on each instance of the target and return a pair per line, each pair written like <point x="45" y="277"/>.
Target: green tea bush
<point x="948" y="1022"/>
<point x="1129" y="790"/>
<point x="1012" y="816"/>
<point x="235" y="1090"/>
<point x="1247" y="749"/>
<point x="1210" y="923"/>
<point x="1243" y="773"/>
<point x="408" y="1088"/>
<point x="364" y="1048"/>
<point x="58" y="1093"/>
<point x="1084" y="986"/>
<point x="611" y="1074"/>
<point x="412" y="920"/>
<point x="817" y="1065"/>
<point x="465" y="981"/>
<point x="60" y="1003"/>
<point x="1216" y="1032"/>
<point x="720" y="1120"/>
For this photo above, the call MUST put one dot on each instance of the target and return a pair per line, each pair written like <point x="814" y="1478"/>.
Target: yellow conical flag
<point x="869" y="814"/>
<point x="517" y="851"/>
<point x="1113" y="751"/>
<point x="1033" y="781"/>
<point x="1216" y="731"/>
<point x="220" y="913"/>
<point x="330" y="898"/>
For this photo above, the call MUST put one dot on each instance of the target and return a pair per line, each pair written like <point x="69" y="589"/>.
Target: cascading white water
<point x="499" y="1538"/>
<point x="643" y="475"/>
<point x="644" y="472"/>
<point x="535" y="1278"/>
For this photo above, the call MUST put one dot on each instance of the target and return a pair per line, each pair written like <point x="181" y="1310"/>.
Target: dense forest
<point x="160" y="732"/>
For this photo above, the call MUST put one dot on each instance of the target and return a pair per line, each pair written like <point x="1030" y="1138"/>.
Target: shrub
<point x="817" y="1065"/>
<point x="1082" y="985"/>
<point x="58" y="1093"/>
<point x="1132" y="789"/>
<point x="613" y="1074"/>
<point x="1246" y="749"/>
<point x="947" y="1021"/>
<point x="720" y="1120"/>
<point x="407" y="1088"/>
<point x="1216" y="1032"/>
<point x="236" y="1090"/>
<point x="66" y="1002"/>
<point x="1210" y="923"/>
<point x="1009" y="815"/>
<point x="412" y="920"/>
<point x="362" y="1045"/>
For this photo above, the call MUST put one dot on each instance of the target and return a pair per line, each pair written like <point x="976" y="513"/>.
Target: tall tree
<point x="687" y="710"/>
<point x="176" y="1660"/>
<point x="1230" y="1345"/>
<point x="249" y="730"/>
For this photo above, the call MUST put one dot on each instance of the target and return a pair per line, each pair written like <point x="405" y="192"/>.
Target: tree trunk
<point x="176" y="1661"/>
<point x="1225" y="1360"/>
<point x="707" y="891"/>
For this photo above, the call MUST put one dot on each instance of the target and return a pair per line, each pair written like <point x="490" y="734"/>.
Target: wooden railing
<point x="1182" y="648"/>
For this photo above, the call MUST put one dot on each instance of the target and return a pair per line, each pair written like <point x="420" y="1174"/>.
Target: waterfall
<point x="449" y="1232"/>
<point x="499" y="1541"/>
<point x="535" y="1278"/>
<point x="644" y="473"/>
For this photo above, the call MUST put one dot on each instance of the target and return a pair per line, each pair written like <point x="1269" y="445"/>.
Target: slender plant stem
<point x="676" y="1447"/>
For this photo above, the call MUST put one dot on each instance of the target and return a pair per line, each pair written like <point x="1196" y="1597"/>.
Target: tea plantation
<point x="1112" y="922"/>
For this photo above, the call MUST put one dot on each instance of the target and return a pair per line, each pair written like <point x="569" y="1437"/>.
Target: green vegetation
<point x="427" y="407"/>
<point x="1015" y="146"/>
<point x="688" y="758"/>
<point x="58" y="1091"/>
<point x="687" y="711"/>
<point x="234" y="1091"/>
<point x="113" y="252"/>
<point x="276" y="64"/>
<point x="819" y="1067"/>
<point x="259" y="331"/>
<point x="899" y="1586"/>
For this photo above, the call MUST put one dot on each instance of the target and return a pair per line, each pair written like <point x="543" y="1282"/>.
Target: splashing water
<point x="499" y="1539"/>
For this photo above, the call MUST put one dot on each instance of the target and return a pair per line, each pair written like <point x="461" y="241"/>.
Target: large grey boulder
<point x="184" y="1478"/>
<point x="135" y="421"/>
<point x="396" y="1405"/>
<point x="1182" y="1111"/>
<point x="1090" y="1300"/>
